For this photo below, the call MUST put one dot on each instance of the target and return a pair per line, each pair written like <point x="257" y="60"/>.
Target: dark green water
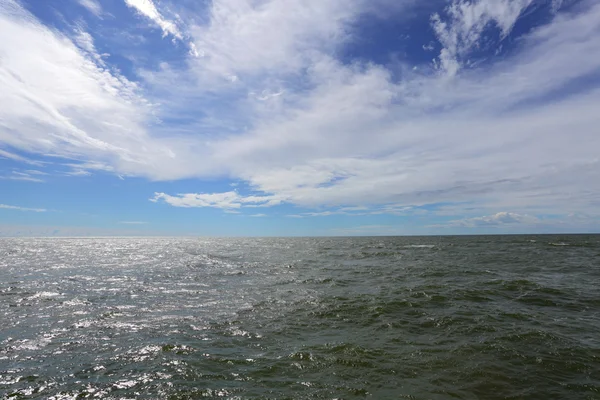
<point x="504" y="317"/>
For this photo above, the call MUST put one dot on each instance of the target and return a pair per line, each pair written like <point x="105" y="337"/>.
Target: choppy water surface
<point x="507" y="317"/>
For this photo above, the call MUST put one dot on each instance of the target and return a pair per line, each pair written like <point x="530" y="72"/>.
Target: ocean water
<point x="480" y="317"/>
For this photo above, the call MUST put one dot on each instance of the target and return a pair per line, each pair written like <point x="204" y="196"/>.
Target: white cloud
<point x="133" y="222"/>
<point x="92" y="6"/>
<point x="246" y="37"/>
<point x="556" y="5"/>
<point x="86" y="166"/>
<point x="468" y="21"/>
<point x="58" y="100"/>
<point x="7" y="207"/>
<point x="16" y="157"/>
<point x="149" y="10"/>
<point x="429" y="47"/>
<point x="320" y="214"/>
<point x="415" y="156"/>
<point x="19" y="173"/>
<point x="515" y="222"/>
<point x="301" y="127"/>
<point x="86" y="42"/>
<point x="258" y="215"/>
<point x="78" y="172"/>
<point x="226" y="200"/>
<point x="22" y="176"/>
<point x="493" y="136"/>
<point x="388" y="209"/>
<point x="498" y="219"/>
<point x="35" y="172"/>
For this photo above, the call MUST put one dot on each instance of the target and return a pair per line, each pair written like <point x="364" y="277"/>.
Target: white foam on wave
<point x="44" y="295"/>
<point x="125" y="384"/>
<point x="75" y="302"/>
<point x="125" y="307"/>
<point x="33" y="344"/>
<point x="86" y="323"/>
<point x="420" y="246"/>
<point x="125" y="326"/>
<point x="143" y="354"/>
<point x="9" y="381"/>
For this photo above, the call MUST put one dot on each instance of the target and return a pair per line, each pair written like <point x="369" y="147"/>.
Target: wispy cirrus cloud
<point x="70" y="104"/>
<point x="78" y="172"/>
<point x="23" y="176"/>
<point x="18" y="208"/>
<point x="148" y="9"/>
<point x="35" y="172"/>
<point x="92" y="6"/>
<point x="16" y="157"/>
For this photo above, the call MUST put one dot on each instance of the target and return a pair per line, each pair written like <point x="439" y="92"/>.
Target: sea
<point x="457" y="317"/>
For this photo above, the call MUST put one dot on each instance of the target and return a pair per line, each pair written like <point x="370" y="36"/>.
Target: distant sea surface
<point x="480" y="317"/>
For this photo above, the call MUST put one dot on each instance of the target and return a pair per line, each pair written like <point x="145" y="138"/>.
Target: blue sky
<point x="299" y="117"/>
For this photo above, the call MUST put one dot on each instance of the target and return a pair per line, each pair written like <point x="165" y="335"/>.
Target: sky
<point x="299" y="117"/>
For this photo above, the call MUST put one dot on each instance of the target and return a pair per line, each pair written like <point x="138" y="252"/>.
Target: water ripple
<point x="417" y="318"/>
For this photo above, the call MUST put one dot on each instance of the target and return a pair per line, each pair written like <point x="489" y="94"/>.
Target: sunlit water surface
<point x="490" y="317"/>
